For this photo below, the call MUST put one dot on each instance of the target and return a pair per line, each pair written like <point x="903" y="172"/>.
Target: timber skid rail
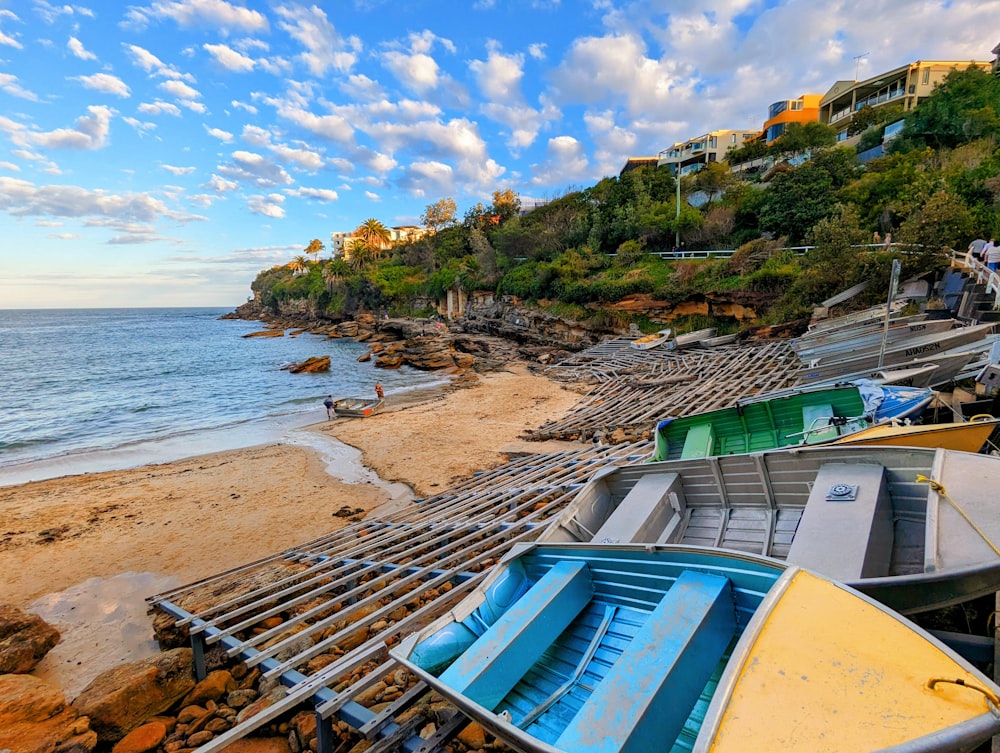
<point x="318" y="618"/>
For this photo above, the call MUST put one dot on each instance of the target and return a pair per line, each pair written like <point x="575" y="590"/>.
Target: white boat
<point x="648" y="342"/>
<point x="714" y="342"/>
<point x="694" y="338"/>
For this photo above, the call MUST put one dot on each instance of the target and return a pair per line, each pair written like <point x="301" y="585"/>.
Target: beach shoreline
<point x="192" y="518"/>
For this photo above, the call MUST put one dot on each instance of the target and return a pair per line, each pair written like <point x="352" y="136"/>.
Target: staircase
<point x="967" y="299"/>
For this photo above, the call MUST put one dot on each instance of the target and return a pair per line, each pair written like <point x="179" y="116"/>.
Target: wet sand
<point x="177" y="522"/>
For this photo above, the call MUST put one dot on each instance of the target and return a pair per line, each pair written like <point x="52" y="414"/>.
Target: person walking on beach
<point x="329" y="407"/>
<point x="379" y="391"/>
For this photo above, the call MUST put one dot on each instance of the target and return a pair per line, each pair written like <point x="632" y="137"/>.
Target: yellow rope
<point x="921" y="479"/>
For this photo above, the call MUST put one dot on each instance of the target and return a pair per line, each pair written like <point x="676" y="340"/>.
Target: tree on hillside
<point x="942" y="222"/>
<point x="799" y="137"/>
<point x="441" y="213"/>
<point x="299" y="264"/>
<point x="374" y="235"/>
<point x="797" y="200"/>
<point x="962" y="108"/>
<point x="506" y="204"/>
<point x="315" y="247"/>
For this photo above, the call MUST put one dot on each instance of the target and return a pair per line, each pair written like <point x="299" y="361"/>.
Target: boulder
<point x="34" y="718"/>
<point x="310" y="365"/>
<point x="142" y="739"/>
<point x="119" y="700"/>
<point x="24" y="639"/>
<point x="258" y="745"/>
<point x="267" y="333"/>
<point x="215" y="685"/>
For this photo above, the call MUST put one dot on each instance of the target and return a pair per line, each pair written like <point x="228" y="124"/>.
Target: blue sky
<point x="162" y="153"/>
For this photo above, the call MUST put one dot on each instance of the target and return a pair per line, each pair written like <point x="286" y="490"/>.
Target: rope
<point x="922" y="479"/>
<point x="994" y="701"/>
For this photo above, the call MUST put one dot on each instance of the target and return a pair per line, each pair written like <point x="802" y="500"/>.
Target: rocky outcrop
<point x="34" y="718"/>
<point x="24" y="639"/>
<point x="277" y="332"/>
<point x="309" y="366"/>
<point x="123" y="698"/>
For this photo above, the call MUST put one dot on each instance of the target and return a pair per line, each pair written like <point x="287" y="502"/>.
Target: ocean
<point x="87" y="390"/>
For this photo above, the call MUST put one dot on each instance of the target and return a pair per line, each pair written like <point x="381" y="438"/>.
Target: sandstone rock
<point x="267" y="333"/>
<point x="24" y="639"/>
<point x="215" y="685"/>
<point x="34" y="718"/>
<point x="119" y="700"/>
<point x="310" y="365"/>
<point x="473" y="736"/>
<point x="240" y="698"/>
<point x="258" y="745"/>
<point x="142" y="739"/>
<point x="262" y="703"/>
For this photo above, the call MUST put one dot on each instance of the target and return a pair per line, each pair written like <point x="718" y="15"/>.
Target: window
<point x="927" y="76"/>
<point x="713" y="142"/>
<point x="733" y="137"/>
<point x="797" y="104"/>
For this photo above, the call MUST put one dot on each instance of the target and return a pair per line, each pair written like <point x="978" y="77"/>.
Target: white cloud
<point x="76" y="47"/>
<point x="9" y="84"/>
<point x="372" y="196"/>
<point x="415" y="69"/>
<point x="6" y="39"/>
<point x="180" y="90"/>
<point x="178" y="170"/>
<point x="106" y="83"/>
<point x="213" y="14"/>
<point x="141" y="127"/>
<point x="217" y="133"/>
<point x="319" y="194"/>
<point x="91" y="132"/>
<point x="269" y="206"/>
<point x="244" y="106"/>
<point x="159" y="107"/>
<point x="229" y="58"/>
<point x="499" y="76"/>
<point x="255" y="169"/>
<point x="325" y="47"/>
<point x="50" y="13"/>
<point x="565" y="162"/>
<point x="10" y="166"/>
<point x="221" y="185"/>
<point x="21" y="198"/>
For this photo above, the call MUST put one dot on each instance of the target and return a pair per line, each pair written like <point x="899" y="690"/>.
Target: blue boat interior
<point x="600" y="650"/>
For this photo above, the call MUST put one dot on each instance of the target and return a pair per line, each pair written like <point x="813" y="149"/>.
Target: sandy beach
<point x="189" y="519"/>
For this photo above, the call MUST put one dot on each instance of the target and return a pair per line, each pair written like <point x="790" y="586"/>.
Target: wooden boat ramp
<point x="319" y="618"/>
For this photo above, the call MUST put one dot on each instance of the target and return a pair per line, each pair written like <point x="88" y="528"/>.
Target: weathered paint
<point x="831" y="672"/>
<point x="963" y="436"/>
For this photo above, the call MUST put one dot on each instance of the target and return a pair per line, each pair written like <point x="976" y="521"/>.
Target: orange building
<point x="805" y="109"/>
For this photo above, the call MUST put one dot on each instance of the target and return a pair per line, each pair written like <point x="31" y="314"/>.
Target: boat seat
<point x="810" y="416"/>
<point x="647" y="695"/>
<point x="698" y="442"/>
<point x="645" y="512"/>
<point x="494" y="663"/>
<point x="846" y="536"/>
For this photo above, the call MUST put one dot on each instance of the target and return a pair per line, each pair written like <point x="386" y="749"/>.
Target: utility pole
<point x="857" y="64"/>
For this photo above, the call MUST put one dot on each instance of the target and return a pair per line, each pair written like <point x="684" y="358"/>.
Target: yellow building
<point x="341" y="242"/>
<point x="693" y="154"/>
<point x="905" y="86"/>
<point x="805" y="109"/>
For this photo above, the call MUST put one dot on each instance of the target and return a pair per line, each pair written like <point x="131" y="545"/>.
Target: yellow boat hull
<point x="967" y="436"/>
<point x="828" y="671"/>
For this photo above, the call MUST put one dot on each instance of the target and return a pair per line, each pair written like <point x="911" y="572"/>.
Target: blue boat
<point x="621" y="649"/>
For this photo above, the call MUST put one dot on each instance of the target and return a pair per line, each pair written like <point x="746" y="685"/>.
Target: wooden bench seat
<point x="494" y="663"/>
<point x="644" y="700"/>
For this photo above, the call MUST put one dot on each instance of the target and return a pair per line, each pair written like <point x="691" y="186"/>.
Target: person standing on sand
<point x="379" y="391"/>
<point x="329" y="407"/>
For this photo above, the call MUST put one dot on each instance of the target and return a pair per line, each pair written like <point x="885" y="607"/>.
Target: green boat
<point x="806" y="417"/>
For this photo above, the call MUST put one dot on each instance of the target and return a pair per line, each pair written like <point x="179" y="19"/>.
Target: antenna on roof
<point x="857" y="64"/>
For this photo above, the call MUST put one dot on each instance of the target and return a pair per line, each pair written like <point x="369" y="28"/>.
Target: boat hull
<point x="357" y="407"/>
<point x="901" y="540"/>
<point x="622" y="649"/>
<point x="965" y="436"/>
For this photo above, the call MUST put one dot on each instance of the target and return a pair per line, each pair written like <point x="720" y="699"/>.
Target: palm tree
<point x="361" y="256"/>
<point x="374" y="235"/>
<point x="299" y="264"/>
<point x="314" y="247"/>
<point x="333" y="273"/>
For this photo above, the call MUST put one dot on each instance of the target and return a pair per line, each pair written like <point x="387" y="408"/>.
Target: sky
<point x="163" y="153"/>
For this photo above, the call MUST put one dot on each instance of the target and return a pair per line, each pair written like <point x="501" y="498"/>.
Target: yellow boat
<point x="965" y="436"/>
<point x="808" y="681"/>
